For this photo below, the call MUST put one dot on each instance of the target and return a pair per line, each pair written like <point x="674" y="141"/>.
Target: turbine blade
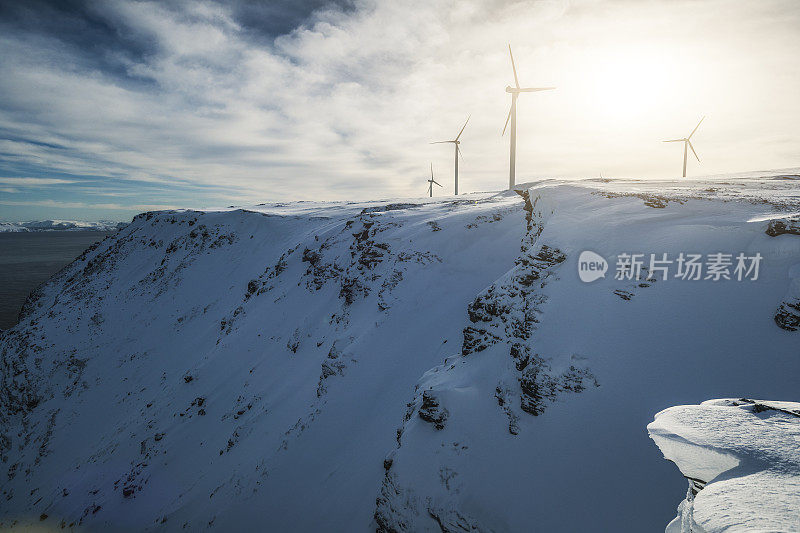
<point x="695" y="128"/>
<point x="459" y="153"/>
<point x="535" y="89"/>
<point x="692" y="147"/>
<point x="462" y="129"/>
<point x="675" y="141"/>
<point x="516" y="80"/>
<point x="437" y="183"/>
<point x="431" y="170"/>
<point x="441" y="142"/>
<point x="507" y="119"/>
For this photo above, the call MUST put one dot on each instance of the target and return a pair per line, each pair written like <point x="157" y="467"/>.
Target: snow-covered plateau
<point x="417" y="365"/>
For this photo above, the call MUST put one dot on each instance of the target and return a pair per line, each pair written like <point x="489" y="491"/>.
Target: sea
<point x="29" y="259"/>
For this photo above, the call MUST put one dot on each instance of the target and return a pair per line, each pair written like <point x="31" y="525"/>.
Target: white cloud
<point x="34" y="182"/>
<point x="346" y="106"/>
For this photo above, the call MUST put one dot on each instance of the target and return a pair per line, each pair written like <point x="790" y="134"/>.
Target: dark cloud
<point x="78" y="26"/>
<point x="99" y="41"/>
<point x="268" y="19"/>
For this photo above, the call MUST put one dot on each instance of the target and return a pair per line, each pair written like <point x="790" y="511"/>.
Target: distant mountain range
<point x="60" y="225"/>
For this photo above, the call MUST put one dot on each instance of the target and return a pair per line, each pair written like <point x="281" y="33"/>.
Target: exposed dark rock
<point x="537" y="387"/>
<point x="394" y="507"/>
<point x="387" y="207"/>
<point x="252" y="287"/>
<point x="430" y="410"/>
<point x="788" y="315"/>
<point x="650" y="200"/>
<point x="310" y="256"/>
<point x="784" y="226"/>
<point x="503" y="396"/>
<point x="476" y="340"/>
<point x="760" y="406"/>
<point x="332" y="369"/>
<point x="625" y="295"/>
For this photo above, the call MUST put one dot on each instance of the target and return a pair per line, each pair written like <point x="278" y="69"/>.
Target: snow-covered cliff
<point x="403" y="366"/>
<point x="742" y="462"/>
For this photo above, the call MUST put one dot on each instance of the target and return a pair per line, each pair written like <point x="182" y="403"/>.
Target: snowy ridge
<point x="420" y="365"/>
<point x="742" y="462"/>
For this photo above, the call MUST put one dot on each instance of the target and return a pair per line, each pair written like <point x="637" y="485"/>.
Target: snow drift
<point x="741" y="459"/>
<point x="425" y="365"/>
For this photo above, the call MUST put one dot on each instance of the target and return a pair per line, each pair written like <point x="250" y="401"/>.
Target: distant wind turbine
<point x="512" y="115"/>
<point x="456" y="142"/>
<point x="687" y="143"/>
<point x="431" y="182"/>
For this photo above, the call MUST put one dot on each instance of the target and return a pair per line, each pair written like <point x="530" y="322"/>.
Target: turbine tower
<point x="431" y="182"/>
<point x="512" y="115"/>
<point x="456" y="142"/>
<point x="687" y="144"/>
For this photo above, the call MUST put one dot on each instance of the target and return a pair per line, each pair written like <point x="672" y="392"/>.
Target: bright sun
<point x="627" y="83"/>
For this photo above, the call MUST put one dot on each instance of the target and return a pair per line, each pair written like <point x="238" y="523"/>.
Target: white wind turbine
<point x="512" y="115"/>
<point x="687" y="144"/>
<point x="456" y="142"/>
<point x="431" y="182"/>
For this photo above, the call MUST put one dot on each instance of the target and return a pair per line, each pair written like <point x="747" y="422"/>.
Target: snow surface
<point x="409" y="365"/>
<point x="745" y="453"/>
<point x="60" y="225"/>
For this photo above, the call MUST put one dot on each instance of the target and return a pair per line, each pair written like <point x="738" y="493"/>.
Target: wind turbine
<point x="456" y="142"/>
<point x="431" y="182"/>
<point x="512" y="115"/>
<point x="687" y="143"/>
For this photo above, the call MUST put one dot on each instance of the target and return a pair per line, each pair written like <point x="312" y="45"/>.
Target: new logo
<point x="591" y="266"/>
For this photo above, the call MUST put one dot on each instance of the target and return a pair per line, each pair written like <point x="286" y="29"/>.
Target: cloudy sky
<point x="111" y="107"/>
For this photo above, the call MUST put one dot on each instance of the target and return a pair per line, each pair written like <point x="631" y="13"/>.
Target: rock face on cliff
<point x="741" y="459"/>
<point x="429" y="365"/>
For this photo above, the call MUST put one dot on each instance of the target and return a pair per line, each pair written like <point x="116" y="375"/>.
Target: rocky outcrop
<point x="650" y="200"/>
<point x="788" y="315"/>
<point x="508" y="312"/>
<point x="430" y="411"/>
<point x="784" y="226"/>
<point x="502" y="323"/>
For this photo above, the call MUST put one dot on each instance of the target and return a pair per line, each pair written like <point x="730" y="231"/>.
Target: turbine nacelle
<point x="517" y="90"/>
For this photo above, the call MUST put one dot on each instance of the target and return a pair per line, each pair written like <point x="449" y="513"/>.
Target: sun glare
<point x="627" y="84"/>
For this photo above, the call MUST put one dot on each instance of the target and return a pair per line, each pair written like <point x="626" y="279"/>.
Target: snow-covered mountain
<point x="425" y="365"/>
<point x="60" y="225"/>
